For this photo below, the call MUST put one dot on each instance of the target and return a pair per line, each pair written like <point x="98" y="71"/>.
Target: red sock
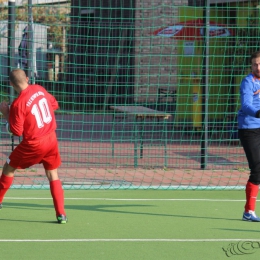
<point x="58" y="197"/>
<point x="251" y="196"/>
<point x="5" y="184"/>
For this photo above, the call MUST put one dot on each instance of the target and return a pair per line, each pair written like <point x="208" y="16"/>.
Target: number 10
<point x="41" y="113"/>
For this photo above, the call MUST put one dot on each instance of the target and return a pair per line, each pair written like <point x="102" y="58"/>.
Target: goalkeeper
<point x="249" y="134"/>
<point x="32" y="115"/>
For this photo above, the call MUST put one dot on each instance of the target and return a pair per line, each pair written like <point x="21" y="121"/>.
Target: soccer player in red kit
<point x="31" y="115"/>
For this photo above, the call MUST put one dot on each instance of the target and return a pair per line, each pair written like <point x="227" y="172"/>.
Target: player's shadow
<point x="104" y="208"/>
<point x="238" y="230"/>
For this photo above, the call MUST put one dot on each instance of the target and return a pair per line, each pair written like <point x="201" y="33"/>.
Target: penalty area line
<point x="111" y="199"/>
<point x="128" y="240"/>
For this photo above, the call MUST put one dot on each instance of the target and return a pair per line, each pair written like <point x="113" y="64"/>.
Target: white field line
<point x="111" y="199"/>
<point x="128" y="240"/>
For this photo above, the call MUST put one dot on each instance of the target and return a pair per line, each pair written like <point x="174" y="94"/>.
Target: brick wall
<point x="155" y="57"/>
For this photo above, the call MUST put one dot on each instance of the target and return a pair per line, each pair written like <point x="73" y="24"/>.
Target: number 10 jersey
<point x="32" y="113"/>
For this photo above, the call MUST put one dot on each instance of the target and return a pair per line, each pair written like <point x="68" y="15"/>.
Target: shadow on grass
<point x="103" y="208"/>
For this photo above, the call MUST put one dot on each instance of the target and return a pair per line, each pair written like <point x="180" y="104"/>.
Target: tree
<point x="54" y="16"/>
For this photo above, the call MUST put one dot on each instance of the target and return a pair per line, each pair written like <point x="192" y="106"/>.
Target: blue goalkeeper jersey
<point x="250" y="103"/>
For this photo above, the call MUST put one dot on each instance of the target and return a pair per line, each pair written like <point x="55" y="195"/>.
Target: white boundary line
<point x="129" y="187"/>
<point x="111" y="199"/>
<point x="128" y="240"/>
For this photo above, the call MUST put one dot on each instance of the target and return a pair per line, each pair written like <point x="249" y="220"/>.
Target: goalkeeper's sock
<point x="58" y="197"/>
<point x="251" y="196"/>
<point x="5" y="184"/>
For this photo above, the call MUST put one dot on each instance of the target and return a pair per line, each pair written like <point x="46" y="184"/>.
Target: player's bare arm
<point x="4" y="109"/>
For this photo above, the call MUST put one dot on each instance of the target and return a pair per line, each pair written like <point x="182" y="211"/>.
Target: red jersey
<point x="32" y="113"/>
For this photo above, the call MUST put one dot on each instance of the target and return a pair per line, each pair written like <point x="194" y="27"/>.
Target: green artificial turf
<point x="134" y="224"/>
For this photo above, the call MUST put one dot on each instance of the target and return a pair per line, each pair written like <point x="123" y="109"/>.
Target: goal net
<point x="148" y="90"/>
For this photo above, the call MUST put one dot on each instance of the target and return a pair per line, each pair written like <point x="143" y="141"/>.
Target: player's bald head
<point x="17" y="77"/>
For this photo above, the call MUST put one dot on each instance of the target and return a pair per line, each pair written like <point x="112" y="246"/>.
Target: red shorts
<point x="44" y="150"/>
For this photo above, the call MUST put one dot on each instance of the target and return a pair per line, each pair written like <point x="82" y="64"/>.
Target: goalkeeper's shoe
<point x="250" y="216"/>
<point x="62" y="219"/>
<point x="1" y="205"/>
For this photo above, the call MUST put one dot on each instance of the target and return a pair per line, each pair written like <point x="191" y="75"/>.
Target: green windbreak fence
<point x="148" y="90"/>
